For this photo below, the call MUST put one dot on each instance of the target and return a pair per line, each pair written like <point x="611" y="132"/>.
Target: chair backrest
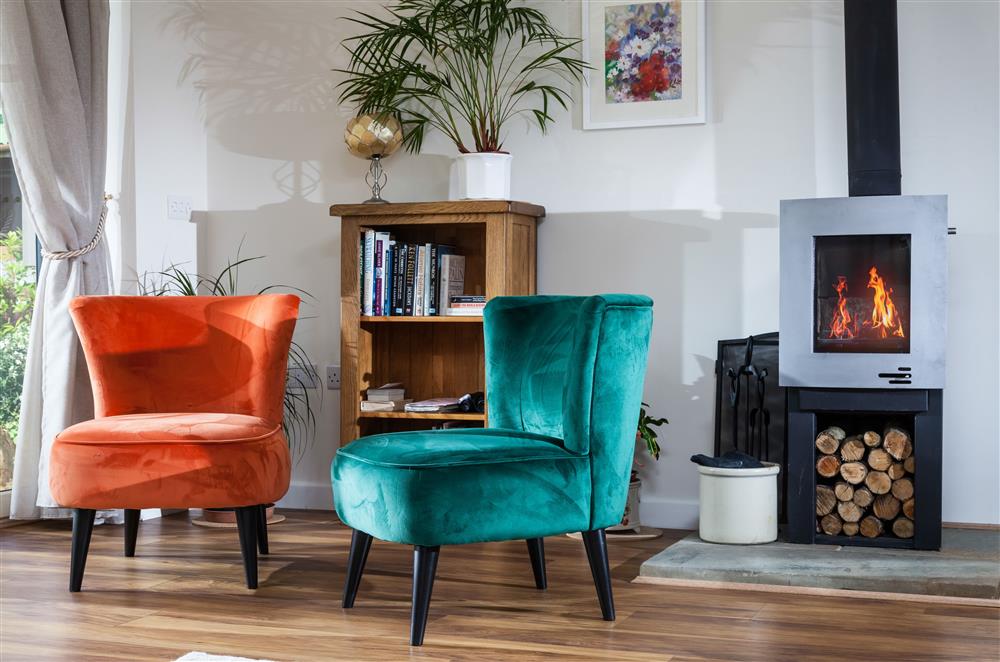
<point x="573" y="368"/>
<point x="187" y="354"/>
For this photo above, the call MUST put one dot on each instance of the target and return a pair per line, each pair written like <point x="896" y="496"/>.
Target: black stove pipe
<point x="872" y="58"/>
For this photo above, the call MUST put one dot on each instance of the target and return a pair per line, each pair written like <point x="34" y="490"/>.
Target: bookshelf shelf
<point x="435" y="356"/>
<point x="431" y="319"/>
<point x="409" y="415"/>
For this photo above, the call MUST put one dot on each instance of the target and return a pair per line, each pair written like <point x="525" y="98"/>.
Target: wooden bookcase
<point x="432" y="356"/>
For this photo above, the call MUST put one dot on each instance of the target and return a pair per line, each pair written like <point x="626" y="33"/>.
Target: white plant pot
<point x="484" y="176"/>
<point x="630" y="519"/>
<point x="738" y="506"/>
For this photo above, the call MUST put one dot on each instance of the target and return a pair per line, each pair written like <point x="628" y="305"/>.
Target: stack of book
<point x="465" y="304"/>
<point x="400" y="278"/>
<point x="388" y="397"/>
<point x="433" y="406"/>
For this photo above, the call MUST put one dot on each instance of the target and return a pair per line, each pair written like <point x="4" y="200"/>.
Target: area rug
<point x="966" y="570"/>
<point x="195" y="656"/>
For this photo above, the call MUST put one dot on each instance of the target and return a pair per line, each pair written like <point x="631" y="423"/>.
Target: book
<point x="452" y="279"/>
<point x="389" y="277"/>
<point x="398" y="280"/>
<point x="388" y="405"/>
<point x="387" y="392"/>
<point x="410" y="276"/>
<point x="440" y="251"/>
<point x="369" y="271"/>
<point x="428" y="256"/>
<point x="433" y="405"/>
<point x="379" y="278"/>
<point x="468" y="304"/>
<point x="462" y="312"/>
<point x="418" y="281"/>
<point x="361" y="271"/>
<point x="432" y="278"/>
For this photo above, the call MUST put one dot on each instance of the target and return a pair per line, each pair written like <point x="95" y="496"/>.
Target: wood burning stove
<point x="864" y="286"/>
<point x="863" y="308"/>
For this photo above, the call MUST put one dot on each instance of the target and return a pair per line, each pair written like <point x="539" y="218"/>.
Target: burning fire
<point x="841" y="326"/>
<point x="885" y="318"/>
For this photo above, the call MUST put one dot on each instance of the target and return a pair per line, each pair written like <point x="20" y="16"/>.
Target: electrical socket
<point x="179" y="207"/>
<point x="333" y="377"/>
<point x="309" y="378"/>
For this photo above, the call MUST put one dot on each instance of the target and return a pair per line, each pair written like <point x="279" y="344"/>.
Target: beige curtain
<point x="53" y="87"/>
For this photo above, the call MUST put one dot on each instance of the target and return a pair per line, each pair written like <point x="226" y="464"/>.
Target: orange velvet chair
<point x="188" y="402"/>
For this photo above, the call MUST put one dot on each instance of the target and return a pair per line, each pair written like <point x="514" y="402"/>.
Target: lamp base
<point x="376" y="179"/>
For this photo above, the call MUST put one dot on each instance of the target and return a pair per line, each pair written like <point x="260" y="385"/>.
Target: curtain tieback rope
<point x="66" y="255"/>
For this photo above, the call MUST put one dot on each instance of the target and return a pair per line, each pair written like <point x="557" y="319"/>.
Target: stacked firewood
<point x="865" y="483"/>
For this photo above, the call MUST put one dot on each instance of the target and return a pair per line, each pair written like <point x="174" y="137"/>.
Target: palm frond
<point x="463" y="67"/>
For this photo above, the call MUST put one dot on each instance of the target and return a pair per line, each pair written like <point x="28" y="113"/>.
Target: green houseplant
<point x="466" y="68"/>
<point x="299" y="420"/>
<point x="644" y="434"/>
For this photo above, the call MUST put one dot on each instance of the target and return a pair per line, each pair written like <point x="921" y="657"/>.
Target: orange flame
<point x="885" y="318"/>
<point x="841" y="326"/>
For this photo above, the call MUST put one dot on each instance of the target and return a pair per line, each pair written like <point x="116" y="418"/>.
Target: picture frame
<point x="648" y="63"/>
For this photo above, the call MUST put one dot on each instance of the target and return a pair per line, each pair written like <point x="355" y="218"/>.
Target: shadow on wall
<point x="692" y="265"/>
<point x="265" y="74"/>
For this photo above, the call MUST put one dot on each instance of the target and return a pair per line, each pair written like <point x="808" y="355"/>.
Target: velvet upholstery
<point x="188" y="396"/>
<point x="564" y="377"/>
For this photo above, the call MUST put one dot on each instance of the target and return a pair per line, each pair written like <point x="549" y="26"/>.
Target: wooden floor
<point x="184" y="591"/>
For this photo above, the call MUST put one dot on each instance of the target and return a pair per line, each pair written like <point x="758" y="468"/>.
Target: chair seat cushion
<point x="174" y="460"/>
<point x="447" y="487"/>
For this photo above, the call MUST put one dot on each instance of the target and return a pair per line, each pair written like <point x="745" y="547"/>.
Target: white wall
<point x="164" y="141"/>
<point x="685" y="214"/>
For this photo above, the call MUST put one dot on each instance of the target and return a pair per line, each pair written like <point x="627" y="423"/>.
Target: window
<point x="17" y="294"/>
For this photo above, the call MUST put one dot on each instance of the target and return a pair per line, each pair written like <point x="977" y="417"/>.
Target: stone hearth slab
<point x="968" y="565"/>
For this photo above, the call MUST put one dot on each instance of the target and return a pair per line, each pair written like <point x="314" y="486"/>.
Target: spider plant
<point x="299" y="421"/>
<point x="464" y="67"/>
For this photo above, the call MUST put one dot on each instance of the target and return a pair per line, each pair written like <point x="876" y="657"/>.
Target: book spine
<point x="427" y="278"/>
<point x="398" y="256"/>
<point x="411" y="271"/>
<point x="418" y="282"/>
<point x="369" y="272"/>
<point x="455" y="267"/>
<point x="361" y="272"/>
<point x="379" y="279"/>
<point x="432" y="280"/>
<point x="389" y="278"/>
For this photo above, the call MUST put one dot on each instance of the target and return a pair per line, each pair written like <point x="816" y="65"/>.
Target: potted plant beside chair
<point x="466" y="68"/>
<point x="645" y="439"/>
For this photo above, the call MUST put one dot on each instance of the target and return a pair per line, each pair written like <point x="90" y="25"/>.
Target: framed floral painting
<point x="647" y="63"/>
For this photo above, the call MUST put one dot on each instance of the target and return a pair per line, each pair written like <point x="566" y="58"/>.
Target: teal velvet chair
<point x="564" y="381"/>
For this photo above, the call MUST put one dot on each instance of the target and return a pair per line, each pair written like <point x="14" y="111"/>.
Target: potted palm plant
<point x="466" y="68"/>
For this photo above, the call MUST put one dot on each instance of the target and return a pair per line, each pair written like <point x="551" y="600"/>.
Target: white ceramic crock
<point x="739" y="506"/>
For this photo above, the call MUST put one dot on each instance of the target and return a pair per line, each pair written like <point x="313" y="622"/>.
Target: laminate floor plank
<point x="184" y="591"/>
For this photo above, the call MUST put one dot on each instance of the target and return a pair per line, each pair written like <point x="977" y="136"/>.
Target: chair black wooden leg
<point x="597" y="553"/>
<point x="131" y="530"/>
<point x="361" y="542"/>
<point x="246" y="523"/>
<point x="536" y="550"/>
<point x="83" y="527"/>
<point x="262" y="545"/>
<point x="424" y="566"/>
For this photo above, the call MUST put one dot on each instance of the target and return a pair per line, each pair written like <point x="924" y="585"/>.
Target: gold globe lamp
<point x="374" y="137"/>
